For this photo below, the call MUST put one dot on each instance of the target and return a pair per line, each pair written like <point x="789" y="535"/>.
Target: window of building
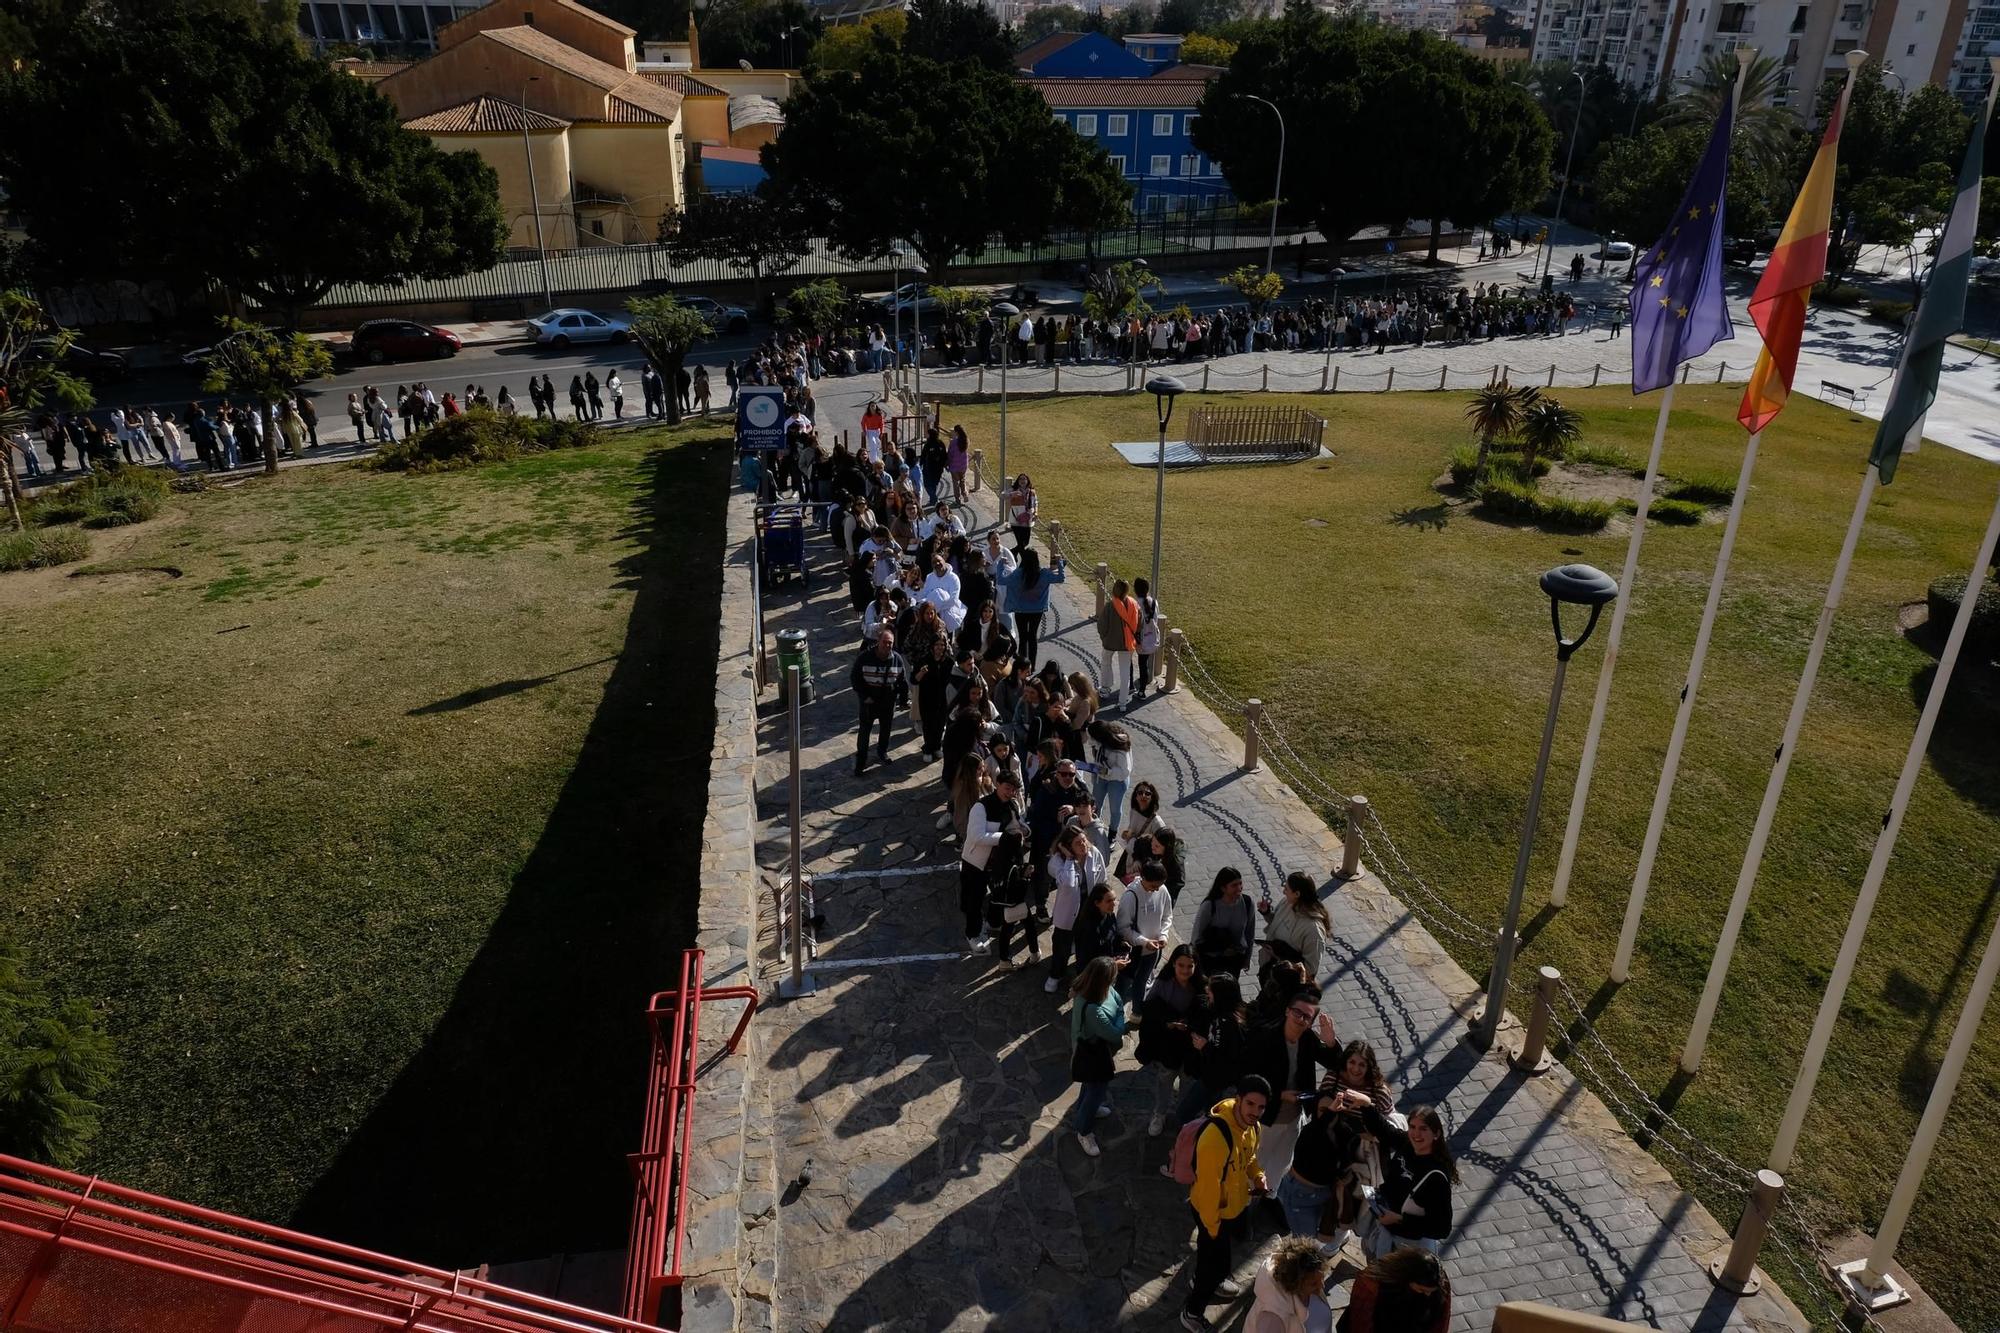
<point x="1920" y="15"/>
<point x="1214" y="167"/>
<point x="1850" y="14"/>
<point x="1163" y="163"/>
<point x="1163" y="124"/>
<point x="1118" y="161"/>
<point x="1117" y="126"/>
<point x="1187" y="126"/>
<point x="1086" y="125"/>
<point x="1190" y="165"/>
<point x="1842" y="45"/>
<point x="1912" y="49"/>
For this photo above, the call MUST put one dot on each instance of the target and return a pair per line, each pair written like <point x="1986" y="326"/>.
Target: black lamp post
<point x="1568" y="585"/>
<point x="1008" y="312"/>
<point x="1164" y="388"/>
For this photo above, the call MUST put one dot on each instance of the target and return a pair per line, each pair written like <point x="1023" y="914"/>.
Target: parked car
<point x="560" y="328"/>
<point x="1619" y="250"/>
<point x="381" y="340"/>
<point x="1740" y="250"/>
<point x="920" y="297"/>
<point x="91" y="363"/>
<point x="721" y="318"/>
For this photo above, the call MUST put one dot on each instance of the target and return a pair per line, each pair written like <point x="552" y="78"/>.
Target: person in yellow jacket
<point x="1226" y="1177"/>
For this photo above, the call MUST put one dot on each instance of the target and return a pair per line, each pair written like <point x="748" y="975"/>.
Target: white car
<point x="1615" y="250"/>
<point x="721" y="318"/>
<point x="560" y="328"/>
<point x="918" y="296"/>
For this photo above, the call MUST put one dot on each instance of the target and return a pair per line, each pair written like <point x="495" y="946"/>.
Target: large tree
<point x="666" y="332"/>
<point x="770" y="34"/>
<point x="953" y="30"/>
<point x="1769" y="132"/>
<point x="1383" y="125"/>
<point x="228" y="156"/>
<point x="32" y="380"/>
<point x="1899" y="159"/>
<point x="943" y="155"/>
<point x="1640" y="182"/>
<point x="752" y="233"/>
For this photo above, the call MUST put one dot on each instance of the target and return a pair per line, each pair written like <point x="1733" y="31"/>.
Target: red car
<point x="382" y="340"/>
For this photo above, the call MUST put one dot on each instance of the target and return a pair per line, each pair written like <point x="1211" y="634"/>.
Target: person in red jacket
<point x="1405" y="1291"/>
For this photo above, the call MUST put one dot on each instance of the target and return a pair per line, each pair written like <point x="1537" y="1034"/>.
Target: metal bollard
<point x="1596" y="370"/>
<point x="1058" y="377"/>
<point x="1336" y="380"/>
<point x="1720" y="371"/>
<point x="1101" y="587"/>
<point x="1686" y="369"/>
<point x="1534" y="1057"/>
<point x="978" y="468"/>
<point x="1441" y="375"/>
<point x="979" y="385"/>
<point x="1392" y="380"/>
<point x="1737" y="1271"/>
<point x="1204" y="377"/>
<point x="1175" y="639"/>
<point x="799" y="982"/>
<point x="1267" y="377"/>
<point x="1350" y="846"/>
<point x="1552" y="376"/>
<point x="1253" y="710"/>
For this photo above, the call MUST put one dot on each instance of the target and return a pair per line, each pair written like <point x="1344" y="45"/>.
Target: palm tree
<point x="1764" y="129"/>
<point x="1495" y="413"/>
<point x="1547" y="427"/>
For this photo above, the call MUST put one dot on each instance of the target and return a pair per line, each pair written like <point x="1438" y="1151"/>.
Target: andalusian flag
<point x="1939" y="315"/>
<point x="1797" y="263"/>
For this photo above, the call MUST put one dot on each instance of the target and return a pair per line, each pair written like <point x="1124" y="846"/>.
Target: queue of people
<point x="1278" y="1119"/>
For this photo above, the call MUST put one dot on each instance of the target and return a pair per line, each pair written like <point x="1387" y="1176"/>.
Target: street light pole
<point x="1277" y="187"/>
<point x="1576" y="585"/>
<point x="1007" y="310"/>
<point x="1582" y="91"/>
<point x="535" y="194"/>
<point x="1164" y="388"/>
<point x="917" y="271"/>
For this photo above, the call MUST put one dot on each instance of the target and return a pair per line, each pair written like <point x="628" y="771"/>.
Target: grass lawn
<point x="372" y="831"/>
<point x="1401" y="643"/>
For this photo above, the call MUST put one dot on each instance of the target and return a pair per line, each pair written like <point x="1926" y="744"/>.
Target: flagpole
<point x="1628" y="934"/>
<point x="1601" y="704"/>
<point x="1957" y="231"/>
<point x="1835" y="991"/>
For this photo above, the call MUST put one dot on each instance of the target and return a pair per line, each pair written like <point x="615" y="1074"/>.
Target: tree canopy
<point x="1384" y="125"/>
<point x="845" y="45"/>
<point x="770" y="34"/>
<point x="228" y="156"/>
<point x="666" y="332"/>
<point x="943" y="155"/>
<point x="752" y="233"/>
<point x="1640" y="182"/>
<point x="952" y="30"/>
<point x="1899" y="159"/>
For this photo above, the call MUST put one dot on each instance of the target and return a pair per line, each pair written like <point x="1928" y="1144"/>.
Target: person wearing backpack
<point x="1096" y="1031"/>
<point x="1216" y="1156"/>
<point x="1145" y="914"/>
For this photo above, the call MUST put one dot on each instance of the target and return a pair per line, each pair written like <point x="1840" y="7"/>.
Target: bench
<point x="1855" y="399"/>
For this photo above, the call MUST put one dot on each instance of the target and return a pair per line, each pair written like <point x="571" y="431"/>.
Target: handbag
<point x="1091" y="1061"/>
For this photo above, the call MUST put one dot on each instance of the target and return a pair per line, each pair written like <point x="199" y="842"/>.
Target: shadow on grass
<point x="505" y="1136"/>
<point x="499" y="690"/>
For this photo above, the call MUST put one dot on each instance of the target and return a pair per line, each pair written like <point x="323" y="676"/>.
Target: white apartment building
<point x="1438" y="16"/>
<point x="1627" y="36"/>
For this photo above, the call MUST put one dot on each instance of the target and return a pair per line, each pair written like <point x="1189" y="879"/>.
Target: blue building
<point x="1080" y="55"/>
<point x="1147" y="126"/>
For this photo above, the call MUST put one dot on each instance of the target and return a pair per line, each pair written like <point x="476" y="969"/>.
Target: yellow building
<point x="552" y="84"/>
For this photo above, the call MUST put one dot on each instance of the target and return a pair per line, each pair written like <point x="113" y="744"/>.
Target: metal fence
<point x="1219" y="434"/>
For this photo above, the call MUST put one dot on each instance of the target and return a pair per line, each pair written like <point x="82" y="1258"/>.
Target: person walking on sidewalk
<point x="1226" y="1177"/>
<point x="1096" y="1031"/>
<point x="1021" y="512"/>
<point x="1118" y="635"/>
<point x="617" y="387"/>
<point x="880" y="681"/>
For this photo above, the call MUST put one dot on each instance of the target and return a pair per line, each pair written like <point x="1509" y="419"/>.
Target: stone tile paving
<point x="927" y="1179"/>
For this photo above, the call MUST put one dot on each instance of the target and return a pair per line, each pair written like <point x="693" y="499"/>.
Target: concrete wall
<point x="483" y="66"/>
<point x="637" y="161"/>
<point x="705" y="119"/>
<point x="773" y="83"/>
<point x="575" y="27"/>
<point x="503" y="153"/>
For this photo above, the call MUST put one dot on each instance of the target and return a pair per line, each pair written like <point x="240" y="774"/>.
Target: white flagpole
<point x="1628" y="935"/>
<point x="1601" y="704"/>
<point x="1559" y="893"/>
<point x="1753" y="856"/>
<point x="1878" y="864"/>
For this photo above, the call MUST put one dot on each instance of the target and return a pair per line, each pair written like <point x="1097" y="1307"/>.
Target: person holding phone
<point x="1144" y="922"/>
<point x="1170" y="1013"/>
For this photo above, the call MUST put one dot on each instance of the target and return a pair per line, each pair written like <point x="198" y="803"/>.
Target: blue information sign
<point x="760" y="417"/>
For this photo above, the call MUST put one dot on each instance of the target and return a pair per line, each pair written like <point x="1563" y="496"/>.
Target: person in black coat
<point x="1412" y="1206"/>
<point x="1168" y="1016"/>
<point x="1095" y="934"/>
<point x="1219" y="1046"/>
<point x="1289" y="1055"/>
<point x="880" y="682"/>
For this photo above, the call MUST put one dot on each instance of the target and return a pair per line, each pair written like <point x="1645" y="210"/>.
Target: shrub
<point x="41" y="550"/>
<point x="55" y="507"/>
<point x="1463" y="463"/>
<point x="192" y="482"/>
<point x="1510" y="465"/>
<point x="108" y="497"/>
<point x="55" y="1063"/>
<point x="1841" y="294"/>
<point x="1603" y="455"/>
<point x="481" y="436"/>
<point x="1983" y="634"/>
<point x="1894" y="312"/>
<point x="1704" y="489"/>
<point x="1681" y="512"/>
<point x="1507" y="497"/>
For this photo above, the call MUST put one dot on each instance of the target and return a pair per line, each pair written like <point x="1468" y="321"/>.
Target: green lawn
<point x="372" y="831"/>
<point x="1401" y="643"/>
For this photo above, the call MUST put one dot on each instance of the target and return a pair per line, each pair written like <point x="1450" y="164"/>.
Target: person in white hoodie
<point x="941" y="590"/>
<point x="994" y="836"/>
<point x="1288" y="1290"/>
<point x="1076" y="867"/>
<point x="1145" y="920"/>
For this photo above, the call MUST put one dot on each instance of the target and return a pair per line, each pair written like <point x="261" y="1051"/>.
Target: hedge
<point x="1509" y="498"/>
<point x="482" y="436"/>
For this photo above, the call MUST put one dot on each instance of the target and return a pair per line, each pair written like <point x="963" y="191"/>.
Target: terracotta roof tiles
<point x="484" y="115"/>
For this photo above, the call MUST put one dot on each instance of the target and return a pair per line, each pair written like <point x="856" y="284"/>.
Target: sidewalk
<point x="925" y="1179"/>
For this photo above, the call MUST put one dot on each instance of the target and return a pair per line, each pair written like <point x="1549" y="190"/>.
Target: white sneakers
<point x="1050" y="986"/>
<point x="1104" y="1110"/>
<point x="979" y="945"/>
<point x="1156" y="1124"/>
<point x="1088" y="1142"/>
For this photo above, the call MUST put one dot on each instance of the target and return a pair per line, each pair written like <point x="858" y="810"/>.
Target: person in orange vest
<point x="1118" y="632"/>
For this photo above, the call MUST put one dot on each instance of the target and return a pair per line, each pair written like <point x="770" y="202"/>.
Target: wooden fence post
<point x="1253" y="710"/>
<point x="1058" y="377"/>
<point x="1350" y="842"/>
<point x="1267" y="377"/>
<point x="1175" y="639"/>
<point x="1204" y="377"/>
<point x="1099" y="588"/>
<point x="1392" y="380"/>
<point x="1336" y="380"/>
<point x="1595" y="371"/>
<point x="978" y="468"/>
<point x="1552" y="375"/>
<point x="1685" y="369"/>
<point x="1441" y="375"/>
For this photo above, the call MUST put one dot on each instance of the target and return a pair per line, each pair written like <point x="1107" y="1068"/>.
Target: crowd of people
<point x="1272" y="1111"/>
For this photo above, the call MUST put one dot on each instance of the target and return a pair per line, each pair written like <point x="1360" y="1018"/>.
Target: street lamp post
<point x="1573" y="585"/>
<point x="1277" y="187"/>
<point x="535" y="194"/>
<point x="1548" y="260"/>
<point x="1007" y="311"/>
<point x="1164" y="388"/>
<point x="917" y="271"/>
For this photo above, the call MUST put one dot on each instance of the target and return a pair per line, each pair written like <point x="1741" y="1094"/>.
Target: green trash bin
<point x="792" y="653"/>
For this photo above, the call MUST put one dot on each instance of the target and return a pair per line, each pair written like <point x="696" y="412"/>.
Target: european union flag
<point x="1678" y="305"/>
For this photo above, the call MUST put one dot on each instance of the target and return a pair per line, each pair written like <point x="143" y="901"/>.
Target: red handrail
<point x="659" y="1168"/>
<point x="78" y="1254"/>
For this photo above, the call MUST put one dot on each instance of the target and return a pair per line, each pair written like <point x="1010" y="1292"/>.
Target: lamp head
<point x="1006" y="309"/>
<point x="743" y="64"/>
<point x="1165" y="388"/>
<point x="1577" y="585"/>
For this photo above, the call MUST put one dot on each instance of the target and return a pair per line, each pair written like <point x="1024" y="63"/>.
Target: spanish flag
<point x="1778" y="307"/>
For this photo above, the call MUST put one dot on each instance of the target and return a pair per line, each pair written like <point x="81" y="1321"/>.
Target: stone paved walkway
<point x="924" y="1100"/>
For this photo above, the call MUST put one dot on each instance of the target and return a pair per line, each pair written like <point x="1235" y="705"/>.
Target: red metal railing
<point x="78" y="1255"/>
<point x="660" y="1167"/>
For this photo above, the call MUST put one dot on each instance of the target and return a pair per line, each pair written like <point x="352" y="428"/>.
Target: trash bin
<point x="792" y="653"/>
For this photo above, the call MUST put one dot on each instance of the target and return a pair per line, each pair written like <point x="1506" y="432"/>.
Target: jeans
<point x="1133" y="978"/>
<point x="1302" y="1204"/>
<point x="1111" y="798"/>
<point x="1165" y="1082"/>
<point x="1089" y="1096"/>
